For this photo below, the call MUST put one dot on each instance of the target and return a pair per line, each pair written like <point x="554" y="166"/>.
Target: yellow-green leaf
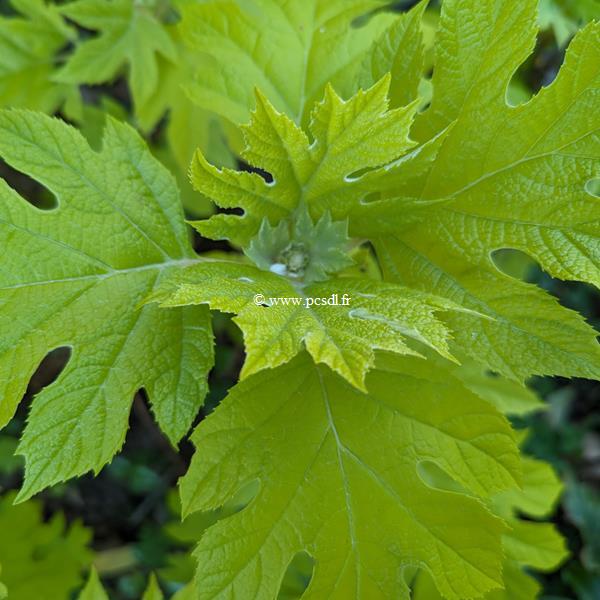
<point x="338" y="479"/>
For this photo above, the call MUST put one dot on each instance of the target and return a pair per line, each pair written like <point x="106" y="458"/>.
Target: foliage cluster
<point x="367" y="450"/>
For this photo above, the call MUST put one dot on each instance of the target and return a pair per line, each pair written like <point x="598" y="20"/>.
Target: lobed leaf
<point x="279" y="318"/>
<point x="74" y="276"/>
<point x="338" y="474"/>
<point x="93" y="589"/>
<point x="29" y="45"/>
<point x="350" y="136"/>
<point x="492" y="176"/>
<point x="528" y="544"/>
<point x="129" y="33"/>
<point x="288" y="50"/>
<point x="40" y="559"/>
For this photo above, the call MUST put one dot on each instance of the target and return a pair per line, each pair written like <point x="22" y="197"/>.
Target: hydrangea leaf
<point x="528" y="543"/>
<point x="539" y="492"/>
<point x="117" y="230"/>
<point x="40" y="559"/>
<point x="278" y="319"/>
<point x="399" y="50"/>
<point x="289" y="51"/>
<point x="188" y="126"/>
<point x="327" y="487"/>
<point x="93" y="589"/>
<point x="349" y="136"/>
<point x="29" y="44"/>
<point x="508" y="396"/>
<point x="512" y="342"/>
<point x="541" y="154"/>
<point x="505" y="177"/>
<point x="129" y="33"/>
<point x="483" y="41"/>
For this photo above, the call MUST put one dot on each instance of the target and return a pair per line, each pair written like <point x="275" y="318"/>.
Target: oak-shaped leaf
<point x="529" y="544"/>
<point x="74" y="276"/>
<point x="491" y="176"/>
<point x="319" y="172"/>
<point x="129" y="34"/>
<point x="341" y="322"/>
<point x="338" y="473"/>
<point x="30" y="42"/>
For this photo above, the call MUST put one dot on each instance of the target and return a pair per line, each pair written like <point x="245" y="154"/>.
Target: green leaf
<point x="509" y="397"/>
<point x="528" y="333"/>
<point x="279" y="317"/>
<point x="41" y="560"/>
<point x="289" y="51"/>
<point x="349" y="136"/>
<point x="9" y="462"/>
<point x="548" y="147"/>
<point x="527" y="543"/>
<point x="117" y="231"/>
<point x="537" y="545"/>
<point x="186" y="593"/>
<point x="29" y="44"/>
<point x="153" y="591"/>
<point x="485" y="42"/>
<point x="3" y="590"/>
<point x="502" y="177"/>
<point x="539" y="491"/>
<point x="338" y="478"/>
<point x="129" y="33"/>
<point x="398" y="51"/>
<point x="188" y="126"/>
<point x="565" y="17"/>
<point x="93" y="589"/>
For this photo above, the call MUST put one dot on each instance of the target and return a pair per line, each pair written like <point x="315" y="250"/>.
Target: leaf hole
<point x="29" y="189"/>
<point x="537" y="72"/>
<point x="370" y="198"/>
<point x="203" y="520"/>
<point x="244" y="166"/>
<point x="592" y="187"/>
<point x="434" y="477"/>
<point x="49" y="369"/>
<point x="514" y="263"/>
<point x="404" y="5"/>
<point x="297" y="576"/>
<point x="354" y="176"/>
<point x="576" y="295"/>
